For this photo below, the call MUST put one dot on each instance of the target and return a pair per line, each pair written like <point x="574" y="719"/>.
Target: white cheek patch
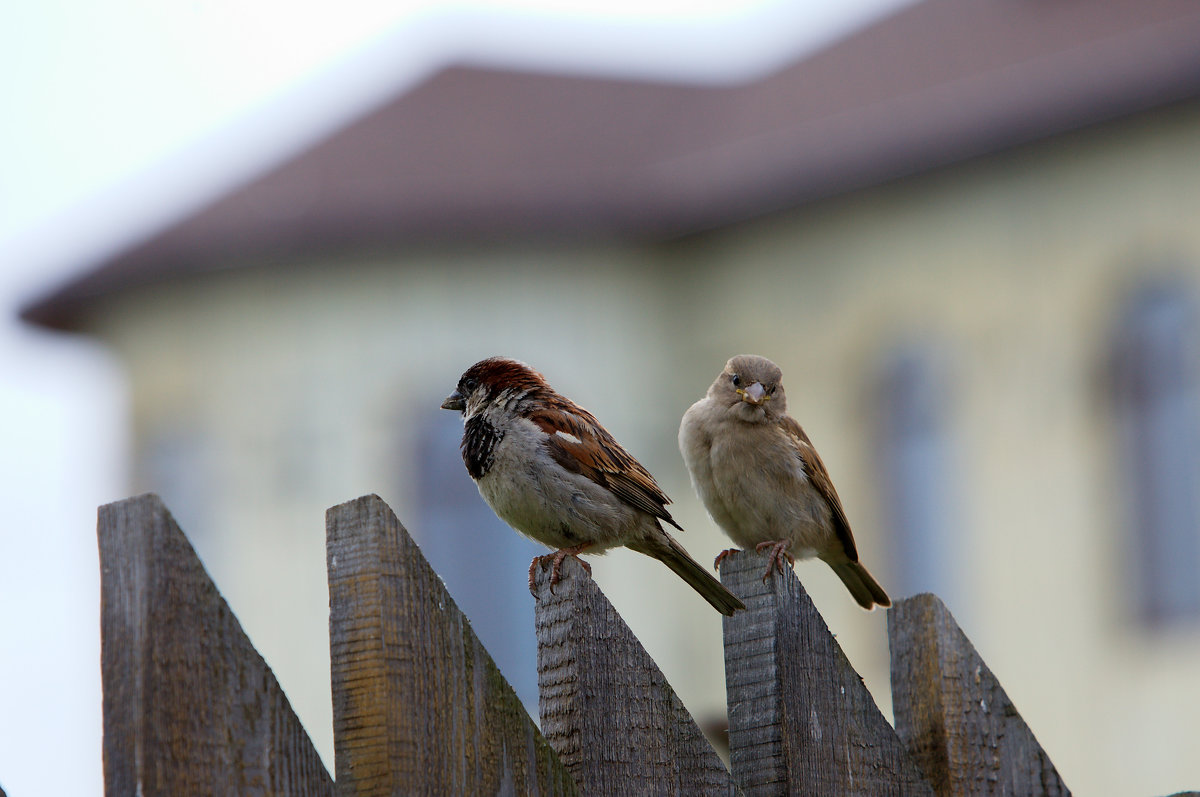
<point x="570" y="438"/>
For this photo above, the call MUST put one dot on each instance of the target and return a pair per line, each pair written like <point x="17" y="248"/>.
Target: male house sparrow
<point x="549" y="469"/>
<point x="761" y="479"/>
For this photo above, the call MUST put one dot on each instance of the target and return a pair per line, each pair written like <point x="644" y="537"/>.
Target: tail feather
<point x="862" y="585"/>
<point x="673" y="555"/>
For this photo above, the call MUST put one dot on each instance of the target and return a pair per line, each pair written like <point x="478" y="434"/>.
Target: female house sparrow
<point x="761" y="479"/>
<point x="549" y="469"/>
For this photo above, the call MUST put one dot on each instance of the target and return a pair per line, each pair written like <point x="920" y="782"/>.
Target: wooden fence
<point x="419" y="707"/>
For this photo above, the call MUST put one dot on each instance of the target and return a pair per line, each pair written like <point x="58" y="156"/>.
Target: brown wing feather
<point x="819" y="477"/>
<point x="601" y="458"/>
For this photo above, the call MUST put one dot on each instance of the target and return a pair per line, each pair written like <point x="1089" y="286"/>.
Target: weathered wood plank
<point x="800" y="719"/>
<point x="606" y="707"/>
<point x="189" y="706"/>
<point x="952" y="713"/>
<point x="418" y="705"/>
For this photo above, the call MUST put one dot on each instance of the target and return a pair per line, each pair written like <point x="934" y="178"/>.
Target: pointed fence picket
<point x="800" y="719"/>
<point x="606" y="708"/>
<point x="190" y="707"/>
<point x="418" y="705"/>
<point x="420" y="708"/>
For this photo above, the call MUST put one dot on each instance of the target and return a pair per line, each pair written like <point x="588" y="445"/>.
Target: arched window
<point x="483" y="562"/>
<point x="914" y="461"/>
<point x="1156" y="398"/>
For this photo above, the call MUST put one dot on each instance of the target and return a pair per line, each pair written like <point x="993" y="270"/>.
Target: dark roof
<point x="486" y="154"/>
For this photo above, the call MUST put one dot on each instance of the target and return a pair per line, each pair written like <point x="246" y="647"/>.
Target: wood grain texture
<point x="952" y="713"/>
<point x="418" y="705"/>
<point x="800" y="719"/>
<point x="189" y="706"/>
<point x="605" y="706"/>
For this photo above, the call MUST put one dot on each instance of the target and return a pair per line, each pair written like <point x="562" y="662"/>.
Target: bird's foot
<point x="779" y="552"/>
<point x="722" y="556"/>
<point x="557" y="558"/>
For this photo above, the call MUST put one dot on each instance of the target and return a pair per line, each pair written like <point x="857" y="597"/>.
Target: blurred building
<point x="968" y="234"/>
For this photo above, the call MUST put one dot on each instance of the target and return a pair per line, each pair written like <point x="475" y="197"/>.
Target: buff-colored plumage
<point x="761" y="479"/>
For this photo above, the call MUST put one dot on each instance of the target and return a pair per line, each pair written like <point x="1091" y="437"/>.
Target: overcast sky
<point x="119" y="115"/>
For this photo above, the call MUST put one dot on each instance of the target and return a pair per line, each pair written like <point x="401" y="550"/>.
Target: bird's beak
<point x="753" y="394"/>
<point x="454" y="402"/>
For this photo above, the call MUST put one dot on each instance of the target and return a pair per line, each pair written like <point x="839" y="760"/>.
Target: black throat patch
<point x="479" y="443"/>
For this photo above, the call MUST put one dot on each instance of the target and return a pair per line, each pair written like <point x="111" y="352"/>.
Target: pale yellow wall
<point x="1014" y="266"/>
<point x="293" y="385"/>
<point x="296" y="385"/>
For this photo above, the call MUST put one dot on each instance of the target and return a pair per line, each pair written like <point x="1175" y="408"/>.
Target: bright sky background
<point x="119" y="115"/>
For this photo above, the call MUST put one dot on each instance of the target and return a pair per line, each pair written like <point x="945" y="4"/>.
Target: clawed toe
<point x="722" y="556"/>
<point x="779" y="552"/>
<point x="556" y="560"/>
<point x="533" y="566"/>
<point x="556" y="568"/>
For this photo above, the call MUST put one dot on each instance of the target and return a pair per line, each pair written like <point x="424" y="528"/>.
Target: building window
<point x="915" y="472"/>
<point x="1156" y="398"/>
<point x="483" y="562"/>
<point x="176" y="464"/>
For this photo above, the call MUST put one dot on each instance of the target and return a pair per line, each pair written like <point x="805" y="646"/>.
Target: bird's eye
<point x="771" y="390"/>
<point x="737" y="380"/>
<point x="469" y="384"/>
